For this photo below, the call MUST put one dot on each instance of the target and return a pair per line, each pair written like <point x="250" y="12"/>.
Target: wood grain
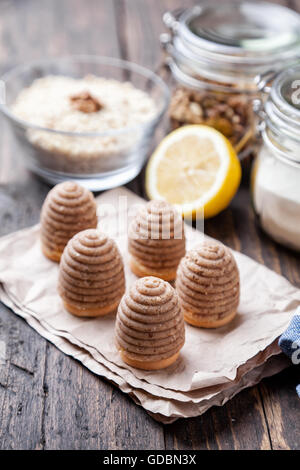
<point x="21" y="384"/>
<point x="48" y="400"/>
<point x="240" y="424"/>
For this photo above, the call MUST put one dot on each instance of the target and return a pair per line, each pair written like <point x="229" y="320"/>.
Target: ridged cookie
<point x="68" y="209"/>
<point x="149" y="325"/>
<point x="156" y="241"/>
<point x="91" y="275"/>
<point x="208" y="285"/>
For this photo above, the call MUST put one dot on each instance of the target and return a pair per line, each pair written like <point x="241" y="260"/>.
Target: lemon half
<point x="195" y="168"/>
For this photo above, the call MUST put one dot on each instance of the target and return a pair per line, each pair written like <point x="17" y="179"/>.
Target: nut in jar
<point x="230" y="114"/>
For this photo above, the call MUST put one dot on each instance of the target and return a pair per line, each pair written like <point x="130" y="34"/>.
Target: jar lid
<point x="229" y="38"/>
<point x="242" y="28"/>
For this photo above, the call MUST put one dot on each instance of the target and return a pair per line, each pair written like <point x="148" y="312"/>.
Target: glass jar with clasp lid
<point x="215" y="50"/>
<point x="275" y="182"/>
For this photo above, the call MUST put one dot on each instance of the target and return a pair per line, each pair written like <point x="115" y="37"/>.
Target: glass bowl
<point x="84" y="157"/>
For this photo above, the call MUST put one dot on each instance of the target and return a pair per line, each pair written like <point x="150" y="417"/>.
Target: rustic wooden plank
<point x="281" y="419"/>
<point x="20" y="203"/>
<point x="21" y="384"/>
<point x="221" y="227"/>
<point x="77" y="409"/>
<point x="22" y="373"/>
<point x="90" y="405"/>
<point x="239" y="424"/>
<point x="259" y="246"/>
<point x="33" y="29"/>
<point x="281" y="404"/>
<point x="139" y="26"/>
<point x="84" y="412"/>
<point x="71" y="406"/>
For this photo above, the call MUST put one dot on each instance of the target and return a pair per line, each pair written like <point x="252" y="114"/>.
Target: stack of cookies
<point x="149" y="329"/>
<point x="91" y="272"/>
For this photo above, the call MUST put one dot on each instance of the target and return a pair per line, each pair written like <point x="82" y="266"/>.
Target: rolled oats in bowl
<point x="92" y="104"/>
<point x="90" y="119"/>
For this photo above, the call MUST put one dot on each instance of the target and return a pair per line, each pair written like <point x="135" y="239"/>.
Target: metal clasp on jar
<point x="263" y="83"/>
<point x="263" y="80"/>
<point x="170" y="19"/>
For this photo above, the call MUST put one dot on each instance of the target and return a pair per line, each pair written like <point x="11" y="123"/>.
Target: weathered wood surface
<point x="49" y="401"/>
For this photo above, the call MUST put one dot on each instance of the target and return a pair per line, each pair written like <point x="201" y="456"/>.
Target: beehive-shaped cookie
<point x="208" y="285"/>
<point x="156" y="241"/>
<point x="149" y="326"/>
<point x="91" y="275"/>
<point x="68" y="209"/>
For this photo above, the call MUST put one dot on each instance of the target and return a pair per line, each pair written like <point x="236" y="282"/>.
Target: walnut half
<point x="85" y="102"/>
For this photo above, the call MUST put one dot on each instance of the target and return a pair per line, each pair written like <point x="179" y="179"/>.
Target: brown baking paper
<point x="214" y="364"/>
<point x="163" y="410"/>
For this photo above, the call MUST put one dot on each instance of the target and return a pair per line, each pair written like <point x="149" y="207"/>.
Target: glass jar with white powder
<point x="276" y="172"/>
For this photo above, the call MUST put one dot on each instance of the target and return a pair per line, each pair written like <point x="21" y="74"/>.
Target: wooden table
<point x="49" y="401"/>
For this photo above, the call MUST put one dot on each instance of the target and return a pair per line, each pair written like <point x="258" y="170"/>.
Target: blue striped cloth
<point x="289" y="342"/>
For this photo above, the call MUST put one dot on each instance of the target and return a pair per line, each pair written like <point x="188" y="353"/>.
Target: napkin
<point x="289" y="342"/>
